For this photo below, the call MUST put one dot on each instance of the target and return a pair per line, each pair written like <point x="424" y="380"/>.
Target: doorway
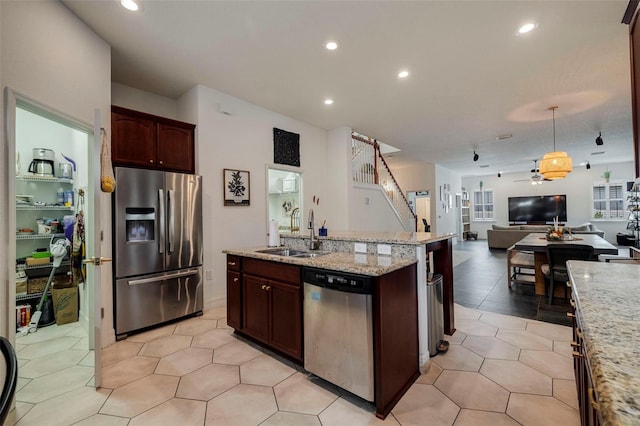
<point x="52" y="179"/>
<point x="420" y="203"/>
<point x="284" y="193"/>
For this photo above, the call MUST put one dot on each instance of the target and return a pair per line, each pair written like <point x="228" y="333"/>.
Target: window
<point x="608" y="201"/>
<point x="483" y="205"/>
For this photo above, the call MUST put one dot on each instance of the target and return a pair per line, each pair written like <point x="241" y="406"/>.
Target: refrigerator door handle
<point x="171" y="207"/>
<point x="161" y="225"/>
<point x="164" y="277"/>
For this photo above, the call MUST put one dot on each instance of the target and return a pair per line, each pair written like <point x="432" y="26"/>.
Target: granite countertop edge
<point x="362" y="264"/>
<point x="611" y="336"/>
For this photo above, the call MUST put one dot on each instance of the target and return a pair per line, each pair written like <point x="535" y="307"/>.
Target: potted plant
<point x="598" y="215"/>
<point x="606" y="175"/>
<point x="236" y="187"/>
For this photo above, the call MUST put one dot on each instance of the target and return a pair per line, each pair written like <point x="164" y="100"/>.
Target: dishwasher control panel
<point x="341" y="281"/>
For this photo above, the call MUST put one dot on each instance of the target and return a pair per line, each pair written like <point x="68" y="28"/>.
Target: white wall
<point x="370" y="210"/>
<point x="577" y="186"/>
<point x="132" y="98"/>
<point x="244" y="141"/>
<point x="445" y="220"/>
<point x="419" y="177"/>
<point x="338" y="179"/>
<point x="50" y="56"/>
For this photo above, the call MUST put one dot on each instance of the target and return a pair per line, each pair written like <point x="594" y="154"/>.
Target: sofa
<point x="503" y="237"/>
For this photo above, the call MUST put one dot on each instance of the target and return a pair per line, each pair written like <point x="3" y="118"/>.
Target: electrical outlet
<point x="360" y="247"/>
<point x="208" y="275"/>
<point x="384" y="249"/>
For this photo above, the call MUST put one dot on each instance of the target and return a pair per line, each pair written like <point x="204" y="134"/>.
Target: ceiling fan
<point x="536" y="178"/>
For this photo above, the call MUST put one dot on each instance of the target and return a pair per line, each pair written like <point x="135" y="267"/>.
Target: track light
<point x="588" y="165"/>
<point x="475" y="156"/>
<point x="599" y="140"/>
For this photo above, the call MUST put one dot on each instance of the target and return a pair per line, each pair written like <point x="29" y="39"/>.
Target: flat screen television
<point x="538" y="208"/>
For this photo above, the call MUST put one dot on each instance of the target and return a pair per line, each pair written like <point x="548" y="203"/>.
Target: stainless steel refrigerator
<point x="157" y="237"/>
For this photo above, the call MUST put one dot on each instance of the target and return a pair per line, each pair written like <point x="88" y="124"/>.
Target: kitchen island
<point x="265" y="298"/>
<point x="607" y="341"/>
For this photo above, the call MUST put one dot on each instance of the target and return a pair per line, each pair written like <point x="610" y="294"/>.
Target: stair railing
<point x="369" y="166"/>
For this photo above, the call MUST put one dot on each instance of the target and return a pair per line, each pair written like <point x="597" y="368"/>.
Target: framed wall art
<point x="236" y="187"/>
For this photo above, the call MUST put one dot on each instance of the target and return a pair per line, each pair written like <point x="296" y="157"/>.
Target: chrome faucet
<point x="314" y="244"/>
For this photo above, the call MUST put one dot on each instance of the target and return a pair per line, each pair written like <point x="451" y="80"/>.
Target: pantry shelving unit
<point x="41" y="201"/>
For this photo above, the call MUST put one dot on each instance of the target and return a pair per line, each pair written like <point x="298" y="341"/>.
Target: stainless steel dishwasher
<point x="338" y="329"/>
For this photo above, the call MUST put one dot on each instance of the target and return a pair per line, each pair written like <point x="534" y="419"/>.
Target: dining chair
<point x="10" y="379"/>
<point x="556" y="268"/>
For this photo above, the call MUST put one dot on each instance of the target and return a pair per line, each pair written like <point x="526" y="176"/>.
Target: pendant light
<point x="556" y="164"/>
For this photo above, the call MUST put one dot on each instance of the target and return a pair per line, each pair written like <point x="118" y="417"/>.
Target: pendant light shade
<point x="556" y="164"/>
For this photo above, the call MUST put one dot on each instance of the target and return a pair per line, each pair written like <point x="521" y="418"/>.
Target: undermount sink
<point x="291" y="252"/>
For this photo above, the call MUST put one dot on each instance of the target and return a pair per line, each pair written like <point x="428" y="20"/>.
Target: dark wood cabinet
<point x="267" y="306"/>
<point x="234" y="299"/>
<point x="234" y="292"/>
<point x="285" y="318"/>
<point x="148" y="141"/>
<point x="587" y="398"/>
<point x="255" y="304"/>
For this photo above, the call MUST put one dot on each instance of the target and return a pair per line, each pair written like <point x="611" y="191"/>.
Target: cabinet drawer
<point x="233" y="263"/>
<point x="272" y="270"/>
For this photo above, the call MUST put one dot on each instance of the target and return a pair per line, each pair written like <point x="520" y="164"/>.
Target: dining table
<point x="537" y="243"/>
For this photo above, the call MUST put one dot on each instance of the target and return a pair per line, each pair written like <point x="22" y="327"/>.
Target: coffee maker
<point x="43" y="162"/>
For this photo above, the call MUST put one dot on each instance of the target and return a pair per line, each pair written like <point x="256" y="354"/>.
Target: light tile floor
<point x="499" y="370"/>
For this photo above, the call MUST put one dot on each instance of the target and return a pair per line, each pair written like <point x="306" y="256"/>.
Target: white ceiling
<point x="472" y="78"/>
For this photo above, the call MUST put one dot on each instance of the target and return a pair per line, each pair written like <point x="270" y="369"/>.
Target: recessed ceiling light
<point x="403" y="74"/>
<point x="130" y="5"/>
<point x="331" y="45"/>
<point x="527" y="28"/>
<point x="328" y="101"/>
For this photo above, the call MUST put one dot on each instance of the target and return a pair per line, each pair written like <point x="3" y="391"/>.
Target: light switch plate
<point x="360" y="247"/>
<point x="384" y="249"/>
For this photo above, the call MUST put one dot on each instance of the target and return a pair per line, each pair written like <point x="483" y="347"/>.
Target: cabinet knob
<point x="231" y="263"/>
<point x="268" y="288"/>
<point x="151" y="161"/>
<point x="575" y="344"/>
<point x="264" y="287"/>
<point x="235" y="280"/>
<point x="570" y="315"/>
<point x="576" y="354"/>
<point x="160" y="162"/>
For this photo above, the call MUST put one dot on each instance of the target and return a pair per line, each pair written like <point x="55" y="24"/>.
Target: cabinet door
<point x="255" y="307"/>
<point x="285" y="333"/>
<point x="176" y="148"/>
<point x="132" y="140"/>
<point x="234" y="300"/>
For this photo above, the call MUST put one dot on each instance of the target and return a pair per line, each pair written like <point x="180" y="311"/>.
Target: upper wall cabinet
<point x="148" y="141"/>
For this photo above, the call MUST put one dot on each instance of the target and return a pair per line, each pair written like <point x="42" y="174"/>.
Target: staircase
<point x="370" y="167"/>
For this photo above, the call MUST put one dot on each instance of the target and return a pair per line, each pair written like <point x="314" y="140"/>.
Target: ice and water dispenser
<point x="140" y="224"/>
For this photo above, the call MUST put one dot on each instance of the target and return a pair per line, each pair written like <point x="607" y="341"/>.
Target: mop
<point x="58" y="251"/>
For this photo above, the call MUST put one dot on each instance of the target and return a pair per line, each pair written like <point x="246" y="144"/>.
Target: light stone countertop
<point x="607" y="299"/>
<point x="363" y="264"/>
<point x="409" y="238"/>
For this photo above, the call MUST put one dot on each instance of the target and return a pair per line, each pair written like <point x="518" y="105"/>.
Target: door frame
<point x="12" y="99"/>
